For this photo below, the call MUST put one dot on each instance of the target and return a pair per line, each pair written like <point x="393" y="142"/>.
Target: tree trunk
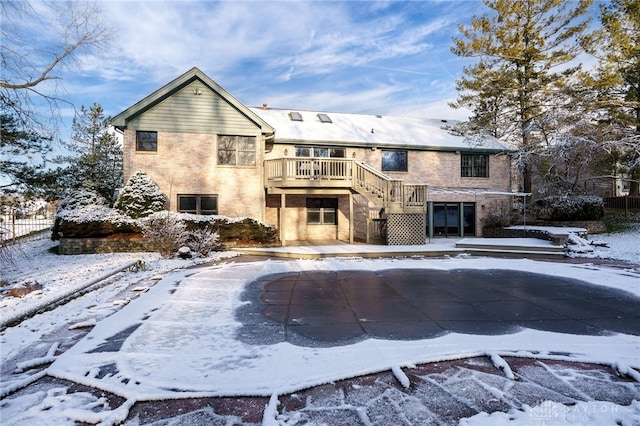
<point x="526" y="178"/>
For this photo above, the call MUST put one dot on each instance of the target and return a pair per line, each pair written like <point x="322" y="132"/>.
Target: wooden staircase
<point x="391" y="194"/>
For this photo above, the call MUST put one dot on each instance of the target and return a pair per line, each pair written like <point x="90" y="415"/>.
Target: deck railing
<point x="392" y="194"/>
<point x="302" y="171"/>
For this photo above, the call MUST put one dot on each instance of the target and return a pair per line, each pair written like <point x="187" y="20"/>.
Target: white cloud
<point x="217" y="37"/>
<point x="372" y="57"/>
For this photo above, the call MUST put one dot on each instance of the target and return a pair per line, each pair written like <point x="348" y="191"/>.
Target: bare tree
<point x="38" y="41"/>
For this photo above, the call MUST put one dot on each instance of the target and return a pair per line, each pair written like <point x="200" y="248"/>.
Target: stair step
<point x="529" y="245"/>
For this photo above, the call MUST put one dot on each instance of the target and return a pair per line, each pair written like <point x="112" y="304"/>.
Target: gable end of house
<point x="192" y="103"/>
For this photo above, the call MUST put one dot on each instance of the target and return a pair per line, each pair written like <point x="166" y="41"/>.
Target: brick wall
<point x="185" y="163"/>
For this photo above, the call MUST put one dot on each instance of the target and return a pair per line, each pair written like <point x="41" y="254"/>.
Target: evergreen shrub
<point x="140" y="197"/>
<point x="570" y="208"/>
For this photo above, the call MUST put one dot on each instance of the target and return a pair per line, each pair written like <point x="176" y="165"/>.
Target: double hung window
<point x="474" y="165"/>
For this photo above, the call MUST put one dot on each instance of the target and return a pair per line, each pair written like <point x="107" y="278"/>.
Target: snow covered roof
<point x="332" y="128"/>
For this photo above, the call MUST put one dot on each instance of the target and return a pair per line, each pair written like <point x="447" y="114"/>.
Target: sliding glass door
<point x="451" y="220"/>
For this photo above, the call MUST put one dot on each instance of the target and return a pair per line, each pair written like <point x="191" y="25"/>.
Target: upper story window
<point x="394" y="161"/>
<point x="198" y="204"/>
<point x="474" y="165"/>
<point x="146" y="141"/>
<point x="237" y="150"/>
<point x="319" y="152"/>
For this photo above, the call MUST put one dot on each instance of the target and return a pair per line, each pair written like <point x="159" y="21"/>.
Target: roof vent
<point x="264" y="106"/>
<point x="295" y="116"/>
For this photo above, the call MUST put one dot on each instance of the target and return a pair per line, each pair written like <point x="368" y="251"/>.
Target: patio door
<point x="309" y="166"/>
<point x="451" y="220"/>
<point x="446" y="219"/>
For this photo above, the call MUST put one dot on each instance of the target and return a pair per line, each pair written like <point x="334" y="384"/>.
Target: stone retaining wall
<point x="515" y="233"/>
<point x="103" y="245"/>
<point x="129" y="244"/>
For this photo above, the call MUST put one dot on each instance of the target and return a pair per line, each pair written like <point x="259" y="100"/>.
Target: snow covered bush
<point x="570" y="208"/>
<point x="81" y="198"/>
<point x="246" y="230"/>
<point x="166" y="232"/>
<point x="140" y="197"/>
<point x="203" y="241"/>
<point x="242" y="230"/>
<point x="86" y="214"/>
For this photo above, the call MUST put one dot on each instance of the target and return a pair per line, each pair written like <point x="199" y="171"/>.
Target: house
<point x="313" y="175"/>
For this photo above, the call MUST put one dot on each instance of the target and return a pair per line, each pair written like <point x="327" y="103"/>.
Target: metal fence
<point x="622" y="203"/>
<point x="18" y="224"/>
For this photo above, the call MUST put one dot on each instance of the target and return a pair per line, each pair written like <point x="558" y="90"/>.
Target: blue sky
<point x="382" y="57"/>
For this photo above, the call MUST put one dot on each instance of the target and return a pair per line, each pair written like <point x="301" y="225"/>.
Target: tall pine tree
<point x="523" y="50"/>
<point x="96" y="163"/>
<point x="616" y="86"/>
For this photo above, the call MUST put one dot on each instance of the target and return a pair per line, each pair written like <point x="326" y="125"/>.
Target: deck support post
<point x="351" y="220"/>
<point x="283" y="205"/>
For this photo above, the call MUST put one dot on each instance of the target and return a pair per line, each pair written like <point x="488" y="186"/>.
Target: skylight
<point x="324" y="118"/>
<point x="295" y="116"/>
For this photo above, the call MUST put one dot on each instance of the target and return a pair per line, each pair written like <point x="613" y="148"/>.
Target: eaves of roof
<point x="398" y="146"/>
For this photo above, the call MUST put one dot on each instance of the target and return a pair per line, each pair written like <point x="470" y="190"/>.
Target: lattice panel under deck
<point x="405" y="229"/>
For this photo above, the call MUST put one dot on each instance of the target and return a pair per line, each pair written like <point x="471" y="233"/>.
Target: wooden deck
<point x="312" y="173"/>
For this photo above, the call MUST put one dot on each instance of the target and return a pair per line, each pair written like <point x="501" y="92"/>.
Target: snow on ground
<point x="182" y="344"/>
<point x="622" y="245"/>
<point x="60" y="275"/>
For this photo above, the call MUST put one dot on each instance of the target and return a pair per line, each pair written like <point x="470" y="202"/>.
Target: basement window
<point x="198" y="204"/>
<point x="322" y="211"/>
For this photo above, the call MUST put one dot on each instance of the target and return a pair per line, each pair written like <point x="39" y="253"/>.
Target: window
<point x="394" y="161"/>
<point x="324" y="118"/>
<point x="295" y="116"/>
<point x="198" y="204"/>
<point x="322" y="211"/>
<point x="474" y="165"/>
<point x="319" y="152"/>
<point x="147" y="141"/>
<point x="237" y="150"/>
